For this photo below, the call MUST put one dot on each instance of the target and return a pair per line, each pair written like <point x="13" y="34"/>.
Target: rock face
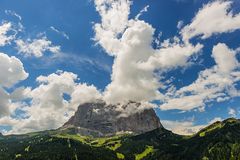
<point x="100" y="119"/>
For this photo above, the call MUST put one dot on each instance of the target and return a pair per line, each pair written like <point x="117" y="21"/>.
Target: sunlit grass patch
<point x="147" y="151"/>
<point x="18" y="155"/>
<point x="27" y="148"/>
<point x="120" y="156"/>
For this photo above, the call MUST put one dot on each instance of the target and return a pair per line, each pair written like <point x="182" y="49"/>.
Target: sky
<point x="180" y="57"/>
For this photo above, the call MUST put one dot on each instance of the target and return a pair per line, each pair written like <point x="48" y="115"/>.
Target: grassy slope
<point x="220" y="140"/>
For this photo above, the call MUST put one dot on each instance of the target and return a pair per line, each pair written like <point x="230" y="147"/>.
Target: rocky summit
<point x="100" y="119"/>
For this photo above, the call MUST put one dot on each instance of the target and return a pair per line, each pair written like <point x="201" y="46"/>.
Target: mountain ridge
<point x="217" y="143"/>
<point x="78" y="139"/>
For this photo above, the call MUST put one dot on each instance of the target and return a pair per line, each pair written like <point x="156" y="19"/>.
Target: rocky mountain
<point x="100" y="119"/>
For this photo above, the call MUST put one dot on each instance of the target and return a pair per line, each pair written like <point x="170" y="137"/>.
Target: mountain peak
<point x="101" y="119"/>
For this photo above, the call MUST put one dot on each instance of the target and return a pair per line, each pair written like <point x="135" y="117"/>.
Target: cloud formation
<point x="5" y="36"/>
<point x="130" y="42"/>
<point x="232" y="112"/>
<point x="48" y="107"/>
<point x="214" y="18"/>
<point x="36" y="47"/>
<point x="214" y="84"/>
<point x="136" y="60"/>
<point x="12" y="72"/>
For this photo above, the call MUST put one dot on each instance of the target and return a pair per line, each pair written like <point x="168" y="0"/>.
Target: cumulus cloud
<point x="225" y="58"/>
<point x="36" y="47"/>
<point x="114" y="18"/>
<point x="214" y="84"/>
<point x="84" y="93"/>
<point x="130" y="42"/>
<point x="4" y="103"/>
<point x="12" y="72"/>
<point x="215" y="17"/>
<point x="5" y="36"/>
<point x="20" y="93"/>
<point x="49" y="108"/>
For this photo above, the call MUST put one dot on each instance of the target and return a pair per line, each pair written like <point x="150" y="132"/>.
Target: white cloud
<point x="130" y="42"/>
<point x="20" y="93"/>
<point x="114" y="20"/>
<point x="5" y="38"/>
<point x="180" y="24"/>
<point x="13" y="13"/>
<point x="59" y="32"/>
<point x="215" y="17"/>
<point x="216" y="83"/>
<point x="4" y="103"/>
<point x="224" y="58"/>
<point x="186" y="127"/>
<point x="215" y="120"/>
<point x="36" y="47"/>
<point x="13" y="70"/>
<point x="145" y="9"/>
<point x="84" y="93"/>
<point x="232" y="112"/>
<point x="49" y="108"/>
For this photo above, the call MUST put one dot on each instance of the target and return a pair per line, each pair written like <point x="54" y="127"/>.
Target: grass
<point x="83" y="139"/>
<point x="147" y="151"/>
<point x="216" y="125"/>
<point x="111" y="143"/>
<point x="202" y="134"/>
<point x="18" y="155"/>
<point x="120" y="156"/>
<point x="27" y="148"/>
<point x="76" y="158"/>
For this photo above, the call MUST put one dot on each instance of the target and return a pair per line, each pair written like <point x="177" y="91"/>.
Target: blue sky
<point x="69" y="48"/>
